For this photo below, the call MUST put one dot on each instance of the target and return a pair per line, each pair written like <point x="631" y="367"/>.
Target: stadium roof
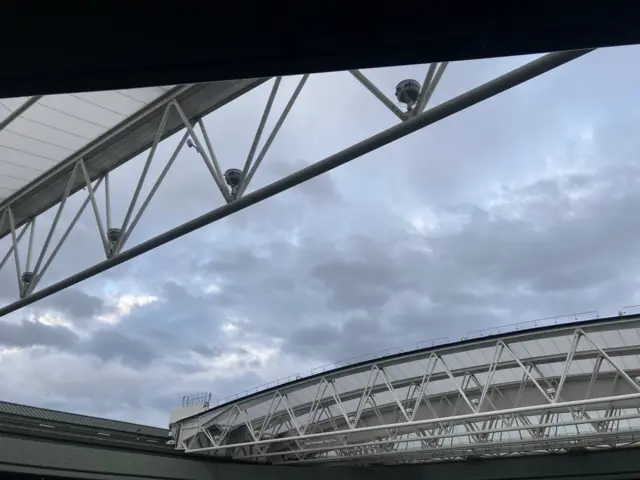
<point x="43" y="137"/>
<point x="44" y="414"/>
<point x="552" y="345"/>
<point x="580" y="370"/>
<point x="37" y="133"/>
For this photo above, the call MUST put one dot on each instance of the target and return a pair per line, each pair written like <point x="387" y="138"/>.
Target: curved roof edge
<point x="453" y="344"/>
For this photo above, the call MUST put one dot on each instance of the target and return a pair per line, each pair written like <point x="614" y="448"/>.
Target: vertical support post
<point x="58" y="246"/>
<point x="96" y="210"/>
<point x="567" y="364"/>
<point x="272" y="137"/>
<point x="492" y="370"/>
<point x="11" y="249"/>
<point x="32" y="227"/>
<point x="203" y="154"/>
<point x="426" y="378"/>
<point x="154" y="189"/>
<point x="258" y="135"/>
<point x="422" y="100"/>
<point x="430" y="83"/>
<point x="54" y="224"/>
<point x="143" y="175"/>
<point x="212" y="154"/>
<point x="16" y="252"/>
<point x="107" y="200"/>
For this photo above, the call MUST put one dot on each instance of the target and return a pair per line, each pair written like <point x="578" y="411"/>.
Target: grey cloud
<point x="359" y="284"/>
<point x="206" y="351"/>
<point x="8" y="284"/>
<point x="111" y="345"/>
<point x="358" y="335"/>
<point x="321" y="190"/>
<point x="552" y="256"/>
<point x="182" y="322"/>
<point x="78" y="305"/>
<point x="493" y="268"/>
<point x="29" y="333"/>
<point x="315" y="336"/>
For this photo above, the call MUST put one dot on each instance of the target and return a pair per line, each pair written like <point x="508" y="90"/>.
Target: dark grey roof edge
<point x="46" y="414"/>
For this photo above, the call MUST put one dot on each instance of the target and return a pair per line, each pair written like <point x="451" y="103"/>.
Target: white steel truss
<point x="570" y="388"/>
<point x="232" y="183"/>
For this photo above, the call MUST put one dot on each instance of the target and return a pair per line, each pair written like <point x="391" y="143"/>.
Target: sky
<point x="517" y="209"/>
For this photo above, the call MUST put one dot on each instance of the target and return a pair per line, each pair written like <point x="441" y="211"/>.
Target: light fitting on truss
<point x="409" y="93"/>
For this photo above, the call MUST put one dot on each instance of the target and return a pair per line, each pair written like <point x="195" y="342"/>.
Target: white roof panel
<point x="55" y="127"/>
<point x="42" y="137"/>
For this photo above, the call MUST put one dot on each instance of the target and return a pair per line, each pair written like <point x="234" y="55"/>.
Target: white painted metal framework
<point x="54" y="146"/>
<point x="570" y="387"/>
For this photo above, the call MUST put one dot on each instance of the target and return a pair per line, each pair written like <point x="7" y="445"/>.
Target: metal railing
<point x="197" y="399"/>
<point x="629" y="309"/>
<point x="378" y="354"/>
<point x="436" y="342"/>
<point x="357" y="359"/>
<point x="259" y="388"/>
<point x="432" y="343"/>
<point x="528" y="325"/>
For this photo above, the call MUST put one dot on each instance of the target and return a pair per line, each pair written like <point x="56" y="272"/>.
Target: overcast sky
<point x="520" y="208"/>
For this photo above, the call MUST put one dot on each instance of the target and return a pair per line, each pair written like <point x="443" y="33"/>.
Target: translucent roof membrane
<point x="38" y="133"/>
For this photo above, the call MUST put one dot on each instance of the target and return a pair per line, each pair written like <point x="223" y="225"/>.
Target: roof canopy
<point x="43" y="137"/>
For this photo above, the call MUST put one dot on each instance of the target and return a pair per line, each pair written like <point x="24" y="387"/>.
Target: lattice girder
<point x="530" y="389"/>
